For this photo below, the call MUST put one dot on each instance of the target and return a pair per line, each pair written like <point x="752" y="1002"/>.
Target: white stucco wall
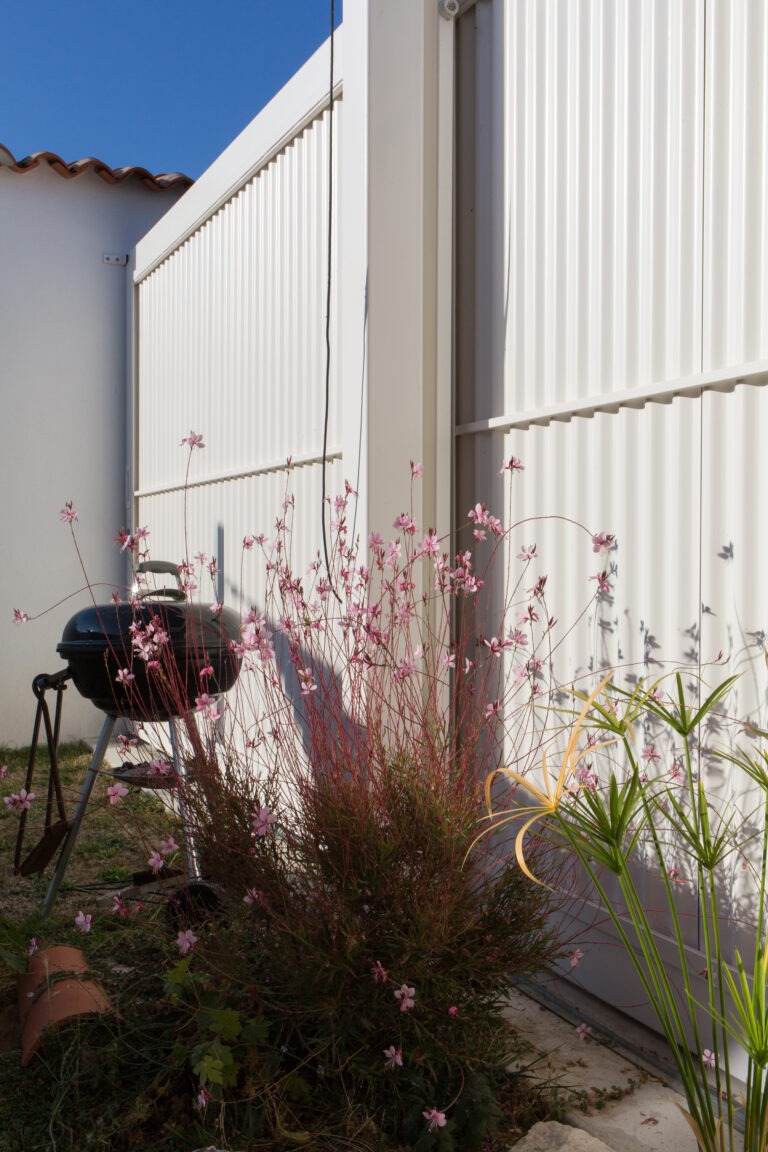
<point x="63" y="388"/>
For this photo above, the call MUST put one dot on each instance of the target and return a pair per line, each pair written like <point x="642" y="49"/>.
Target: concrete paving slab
<point x="608" y="1096"/>
<point x="650" y="1118"/>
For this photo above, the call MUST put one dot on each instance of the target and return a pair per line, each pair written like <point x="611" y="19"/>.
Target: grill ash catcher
<point x="98" y="643"/>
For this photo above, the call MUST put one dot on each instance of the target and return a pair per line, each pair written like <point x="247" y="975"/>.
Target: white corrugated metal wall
<point x="231" y="325"/>
<point x="612" y="270"/>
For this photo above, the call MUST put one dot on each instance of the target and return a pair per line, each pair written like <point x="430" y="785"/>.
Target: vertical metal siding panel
<point x="207" y="341"/>
<point x="603" y="192"/>
<point x="735" y="241"/>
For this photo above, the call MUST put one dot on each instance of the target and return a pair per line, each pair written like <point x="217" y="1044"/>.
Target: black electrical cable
<point x="328" y="300"/>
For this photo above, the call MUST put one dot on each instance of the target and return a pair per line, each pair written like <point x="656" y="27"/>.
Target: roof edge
<point x="157" y="183"/>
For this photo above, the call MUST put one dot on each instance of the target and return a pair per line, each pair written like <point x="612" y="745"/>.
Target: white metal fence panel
<point x="620" y="150"/>
<point x="736" y="205"/>
<point x="232" y="326"/>
<point x="602" y="199"/>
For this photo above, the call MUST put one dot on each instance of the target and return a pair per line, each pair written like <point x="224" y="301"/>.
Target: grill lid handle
<point x="161" y="568"/>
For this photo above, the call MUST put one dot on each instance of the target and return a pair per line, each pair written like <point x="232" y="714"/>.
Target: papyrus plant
<point x="622" y="818"/>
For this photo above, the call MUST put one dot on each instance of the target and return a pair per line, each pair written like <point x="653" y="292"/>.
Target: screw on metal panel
<point x="448" y="9"/>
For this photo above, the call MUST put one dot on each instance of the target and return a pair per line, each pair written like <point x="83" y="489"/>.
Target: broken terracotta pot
<point x="53" y="991"/>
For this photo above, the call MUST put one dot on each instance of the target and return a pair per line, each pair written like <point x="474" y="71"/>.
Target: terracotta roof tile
<point x="89" y="163"/>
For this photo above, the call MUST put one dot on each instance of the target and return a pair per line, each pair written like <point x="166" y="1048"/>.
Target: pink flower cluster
<point x="148" y="639"/>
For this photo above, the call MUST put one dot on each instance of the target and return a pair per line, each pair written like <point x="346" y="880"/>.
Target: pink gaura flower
<point x="602" y="540"/>
<point x="583" y="1031"/>
<point x="650" y="754"/>
<point x="575" y="957"/>
<point x="379" y="973"/>
<point x="675" y="876"/>
<point x="587" y="779"/>
<point x="708" y="1058"/>
<point x="453" y="1011"/>
<point x="3" y="771"/>
<point x="159" y="768"/>
<point x="203" y="1097"/>
<point x="602" y="578"/>
<point x="83" y="921"/>
<point x="527" y="552"/>
<point x="417" y="470"/>
<point x="168" y="846"/>
<point x="392" y="553"/>
<point x="262" y="819"/>
<point x="518" y="637"/>
<point x="492" y="710"/>
<point x="33" y="946"/>
<point x="307" y="683"/>
<point x="156" y="861"/>
<point x="68" y="514"/>
<point x="194" y="440"/>
<point x="204" y="701"/>
<point x="430" y="544"/>
<point x="117" y="792"/>
<point x="495" y="646"/>
<point x="119" y="907"/>
<point x="406" y="996"/>
<point x="19" y="801"/>
<point x="405" y="523"/>
<point x="252" y="896"/>
<point x="512" y="465"/>
<point x="124" y="676"/>
<point x="434" y="1119"/>
<point x="216" y="608"/>
<point x="20" y="617"/>
<point x="408" y="664"/>
<point x="185" y="941"/>
<point x="394" y="1057"/>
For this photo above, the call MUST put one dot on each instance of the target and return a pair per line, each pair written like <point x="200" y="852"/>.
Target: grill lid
<point x="150" y="659"/>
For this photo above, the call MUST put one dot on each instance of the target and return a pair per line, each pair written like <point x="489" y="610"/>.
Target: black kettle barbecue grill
<point x="195" y="656"/>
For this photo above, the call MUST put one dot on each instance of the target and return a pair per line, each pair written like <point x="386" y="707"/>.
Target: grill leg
<point x="85" y="795"/>
<point x="194" y="870"/>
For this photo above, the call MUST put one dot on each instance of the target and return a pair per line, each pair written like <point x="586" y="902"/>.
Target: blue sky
<point x="165" y="84"/>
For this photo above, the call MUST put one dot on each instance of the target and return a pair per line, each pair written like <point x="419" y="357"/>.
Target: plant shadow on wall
<point x="352" y="976"/>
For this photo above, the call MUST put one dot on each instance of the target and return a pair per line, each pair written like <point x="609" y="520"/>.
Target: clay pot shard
<point x="53" y="991"/>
